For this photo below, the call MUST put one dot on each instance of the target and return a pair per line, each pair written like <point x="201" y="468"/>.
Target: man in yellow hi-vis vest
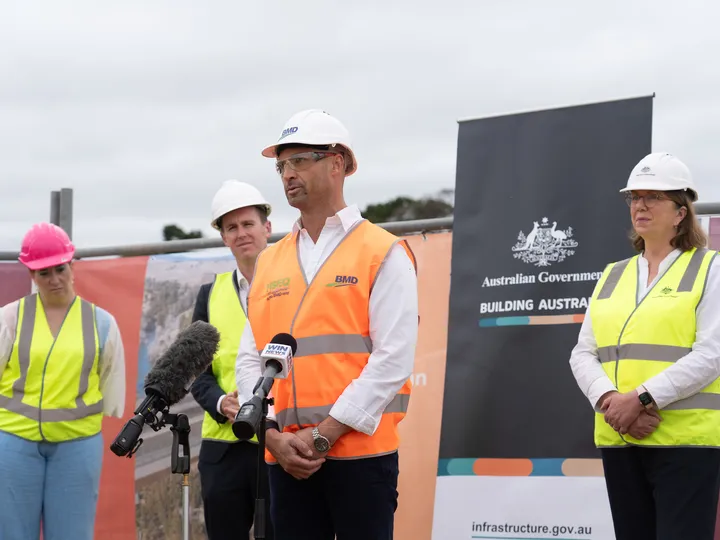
<point x="228" y="467"/>
<point x="648" y="360"/>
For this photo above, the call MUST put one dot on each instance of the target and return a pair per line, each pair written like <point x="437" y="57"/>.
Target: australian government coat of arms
<point x="545" y="244"/>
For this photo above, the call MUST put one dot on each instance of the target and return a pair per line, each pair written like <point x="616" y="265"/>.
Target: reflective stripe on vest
<point x="329" y="319"/>
<point x="637" y="341"/>
<point x="38" y="398"/>
<point x="225" y="313"/>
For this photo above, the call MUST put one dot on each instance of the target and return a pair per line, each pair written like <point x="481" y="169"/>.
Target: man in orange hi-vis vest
<point x="346" y="290"/>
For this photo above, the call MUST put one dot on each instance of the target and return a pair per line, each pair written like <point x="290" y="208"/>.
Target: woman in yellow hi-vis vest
<point x="648" y="360"/>
<point x="62" y="368"/>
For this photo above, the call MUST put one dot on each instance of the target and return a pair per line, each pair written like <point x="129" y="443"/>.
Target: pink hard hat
<point x="46" y="245"/>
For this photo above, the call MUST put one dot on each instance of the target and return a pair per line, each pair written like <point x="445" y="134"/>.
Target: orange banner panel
<point x="420" y="430"/>
<point x="117" y="286"/>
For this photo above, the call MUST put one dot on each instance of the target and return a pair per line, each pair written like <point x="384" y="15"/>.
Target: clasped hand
<point x="626" y="415"/>
<point x="229" y="406"/>
<point x="295" y="452"/>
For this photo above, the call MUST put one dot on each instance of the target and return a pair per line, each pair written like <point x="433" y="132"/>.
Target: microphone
<point x="277" y="361"/>
<point x="277" y="356"/>
<point x="168" y="382"/>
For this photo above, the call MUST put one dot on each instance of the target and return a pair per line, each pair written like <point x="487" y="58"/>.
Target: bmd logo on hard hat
<point x="288" y="131"/>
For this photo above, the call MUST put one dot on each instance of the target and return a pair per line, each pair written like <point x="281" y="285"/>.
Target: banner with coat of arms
<point x="537" y="218"/>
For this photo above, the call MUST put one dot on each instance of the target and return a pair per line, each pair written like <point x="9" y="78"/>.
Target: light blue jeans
<point x="57" y="483"/>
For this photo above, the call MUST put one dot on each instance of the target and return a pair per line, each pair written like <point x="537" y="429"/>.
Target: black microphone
<point x="168" y="382"/>
<point x="277" y="362"/>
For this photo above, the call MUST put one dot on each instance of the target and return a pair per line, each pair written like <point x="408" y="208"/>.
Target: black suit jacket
<point x="206" y="389"/>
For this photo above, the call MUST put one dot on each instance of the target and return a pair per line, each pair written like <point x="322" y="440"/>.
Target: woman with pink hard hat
<point x="62" y="368"/>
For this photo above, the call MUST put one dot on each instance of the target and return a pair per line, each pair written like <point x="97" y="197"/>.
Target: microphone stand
<point x="180" y="461"/>
<point x="154" y="411"/>
<point x="259" y="521"/>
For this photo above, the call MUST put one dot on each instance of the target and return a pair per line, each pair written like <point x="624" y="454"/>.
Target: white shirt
<point x="393" y="314"/>
<point x="244" y="288"/>
<point x="683" y="378"/>
<point x="111" y="365"/>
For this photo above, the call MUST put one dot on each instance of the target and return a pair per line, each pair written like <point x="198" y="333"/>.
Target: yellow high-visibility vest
<point x="225" y="312"/>
<point x="636" y="341"/>
<point x="50" y="389"/>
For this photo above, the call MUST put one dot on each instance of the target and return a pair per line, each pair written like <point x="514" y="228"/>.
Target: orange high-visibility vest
<point x="329" y="319"/>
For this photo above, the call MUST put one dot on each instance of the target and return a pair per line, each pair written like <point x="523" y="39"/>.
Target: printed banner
<point x="152" y="299"/>
<point x="537" y="217"/>
<point x="116" y="286"/>
<point x="171" y="287"/>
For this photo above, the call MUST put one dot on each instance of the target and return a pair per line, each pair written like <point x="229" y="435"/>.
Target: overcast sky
<point x="145" y="108"/>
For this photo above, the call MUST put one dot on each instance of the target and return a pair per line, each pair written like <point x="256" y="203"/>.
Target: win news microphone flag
<point x="277" y="361"/>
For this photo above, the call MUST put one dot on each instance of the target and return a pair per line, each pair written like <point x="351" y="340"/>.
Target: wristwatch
<point x="645" y="397"/>
<point x="322" y="444"/>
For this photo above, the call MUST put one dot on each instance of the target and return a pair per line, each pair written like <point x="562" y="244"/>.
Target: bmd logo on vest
<point x="288" y="131"/>
<point x="343" y="281"/>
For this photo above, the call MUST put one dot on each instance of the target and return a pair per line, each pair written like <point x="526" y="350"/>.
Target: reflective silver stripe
<point x="643" y="351"/>
<point x="315" y="415"/>
<point x="691" y="272"/>
<point x="705" y="401"/>
<point x="88" y="330"/>
<point x="613" y="279"/>
<point x="607" y="354"/>
<point x="16" y="405"/>
<point x="26" y="333"/>
<point x="332" y="343"/>
<point x="50" y="415"/>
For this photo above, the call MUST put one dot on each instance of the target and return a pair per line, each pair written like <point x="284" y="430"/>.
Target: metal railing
<point x="418" y="226"/>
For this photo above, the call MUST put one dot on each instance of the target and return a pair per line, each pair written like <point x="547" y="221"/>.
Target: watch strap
<point x="644" y="396"/>
<point x="317" y="435"/>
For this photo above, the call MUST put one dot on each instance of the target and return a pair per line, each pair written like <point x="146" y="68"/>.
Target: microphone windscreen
<point x="285" y="339"/>
<point x="189" y="355"/>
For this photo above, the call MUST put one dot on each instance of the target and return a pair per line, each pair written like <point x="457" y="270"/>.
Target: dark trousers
<point x="351" y="499"/>
<point x="663" y="493"/>
<point x="228" y="479"/>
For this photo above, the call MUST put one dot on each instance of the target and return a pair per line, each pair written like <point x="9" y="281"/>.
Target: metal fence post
<point x="66" y="210"/>
<point x="55" y="207"/>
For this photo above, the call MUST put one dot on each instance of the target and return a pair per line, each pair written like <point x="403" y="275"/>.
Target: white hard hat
<point x="233" y="195"/>
<point x="662" y="172"/>
<point x="314" y="127"/>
